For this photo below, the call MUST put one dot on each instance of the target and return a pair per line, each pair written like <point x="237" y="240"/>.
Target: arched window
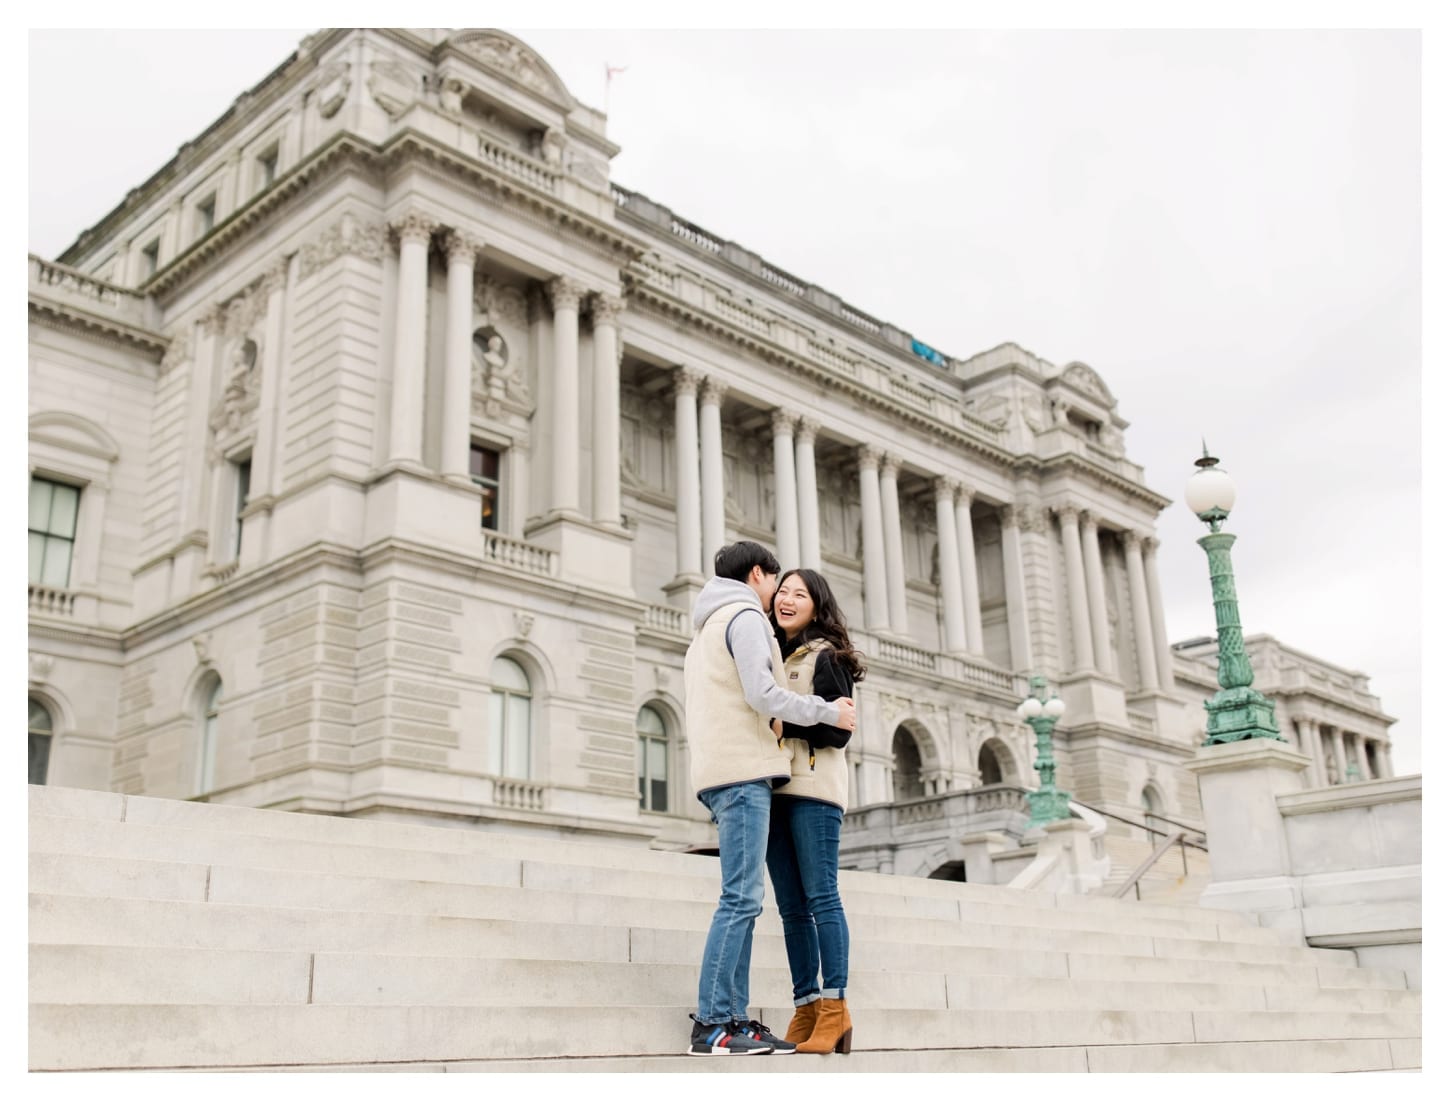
<point x="906" y="757"/>
<point x="989" y="766"/>
<point x="1152" y="803"/>
<point x="42" y="729"/>
<point x="510" y="720"/>
<point x="211" y="696"/>
<point x="653" y="758"/>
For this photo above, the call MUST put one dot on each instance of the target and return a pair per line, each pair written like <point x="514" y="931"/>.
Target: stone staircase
<point x="1166" y="881"/>
<point x="169" y="935"/>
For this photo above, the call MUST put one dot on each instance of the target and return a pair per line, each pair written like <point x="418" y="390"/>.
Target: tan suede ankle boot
<point x="803" y="1023"/>
<point x="832" y="1031"/>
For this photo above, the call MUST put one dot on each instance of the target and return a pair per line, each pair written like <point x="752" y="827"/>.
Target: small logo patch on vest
<point x="796" y="675"/>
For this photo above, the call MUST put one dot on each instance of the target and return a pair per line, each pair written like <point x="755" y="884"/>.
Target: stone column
<point x="1082" y="643"/>
<point x="1155" y="610"/>
<point x="1097" y="597"/>
<point x="787" y="532"/>
<point x="873" y="546"/>
<point x="967" y="553"/>
<point x="810" y="512"/>
<point x="605" y="458"/>
<point x="687" y="474"/>
<point x="1340" y="764"/>
<point x="895" y="557"/>
<point x="1018" y="628"/>
<point x="410" y="340"/>
<point x="458" y="358"/>
<point x="712" y="472"/>
<point x="1142" y="621"/>
<point x="564" y="293"/>
<point x="949" y="566"/>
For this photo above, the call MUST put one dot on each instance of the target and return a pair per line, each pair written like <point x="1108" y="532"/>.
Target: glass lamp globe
<point x="1054" y="708"/>
<point x="1030" y="708"/>
<point x="1210" y="490"/>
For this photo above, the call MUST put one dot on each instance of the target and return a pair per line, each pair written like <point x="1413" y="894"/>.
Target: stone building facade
<point x="379" y="444"/>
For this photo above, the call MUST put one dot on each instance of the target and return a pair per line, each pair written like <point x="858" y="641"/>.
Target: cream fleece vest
<point x="826" y="778"/>
<point x="730" y="742"/>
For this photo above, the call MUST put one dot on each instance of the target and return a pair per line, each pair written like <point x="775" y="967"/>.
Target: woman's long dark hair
<point x="828" y="623"/>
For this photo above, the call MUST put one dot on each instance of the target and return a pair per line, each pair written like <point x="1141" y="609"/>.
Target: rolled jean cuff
<point x="836" y="994"/>
<point x="807" y="1000"/>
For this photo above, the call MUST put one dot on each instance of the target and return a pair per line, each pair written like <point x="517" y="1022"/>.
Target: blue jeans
<point x="803" y="854"/>
<point x="742" y="813"/>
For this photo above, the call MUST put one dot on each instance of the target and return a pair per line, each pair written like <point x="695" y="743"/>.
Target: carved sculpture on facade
<point x="40" y="667"/>
<point x="510" y="56"/>
<point x="393" y="86"/>
<point x="178" y="350"/>
<point x="348" y="236"/>
<point x="241" y="391"/>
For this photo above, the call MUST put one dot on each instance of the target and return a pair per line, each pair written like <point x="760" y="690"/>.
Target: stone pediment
<point x="506" y="55"/>
<point x="1084" y="378"/>
<point x="72" y="432"/>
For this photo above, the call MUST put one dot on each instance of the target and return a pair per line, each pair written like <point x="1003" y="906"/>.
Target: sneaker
<point x="758" y="1031"/>
<point x="726" y="1039"/>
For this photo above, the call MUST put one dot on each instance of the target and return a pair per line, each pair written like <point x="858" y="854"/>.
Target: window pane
<point x="37" y="557"/>
<point x="63" y="502"/>
<point x="656" y="759"/>
<point x="648" y="721"/>
<point x="39" y="717"/>
<point x="516" y="752"/>
<point x="39" y="757"/>
<point x="639" y="770"/>
<point x="206" y="780"/>
<point x="39" y="504"/>
<point x="490" y="464"/>
<point x="489" y="512"/>
<point x="495" y="733"/>
<point x="56" y="571"/>
<point x="507" y="673"/>
<point x="659" y="796"/>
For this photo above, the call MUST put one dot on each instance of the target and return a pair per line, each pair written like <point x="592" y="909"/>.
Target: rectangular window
<point x="654" y="788"/>
<point x="483" y="468"/>
<point x="150" y="259"/>
<point x="206" y="215"/>
<point x="53" y="511"/>
<point x="244" y="485"/>
<point x="266" y="168"/>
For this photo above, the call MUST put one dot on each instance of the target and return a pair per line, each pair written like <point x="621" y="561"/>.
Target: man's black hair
<point x="738" y="559"/>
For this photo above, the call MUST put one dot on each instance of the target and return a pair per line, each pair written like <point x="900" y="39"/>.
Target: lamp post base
<point x="1238" y="713"/>
<point x="1048" y="805"/>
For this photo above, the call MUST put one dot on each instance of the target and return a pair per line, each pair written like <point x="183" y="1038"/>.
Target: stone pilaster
<point x="1142" y="620"/>
<point x="687" y="474"/>
<point x="1107" y="661"/>
<point x="1082" y="643"/>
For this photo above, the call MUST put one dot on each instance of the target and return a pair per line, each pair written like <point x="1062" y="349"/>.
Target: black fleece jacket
<point x="831" y="682"/>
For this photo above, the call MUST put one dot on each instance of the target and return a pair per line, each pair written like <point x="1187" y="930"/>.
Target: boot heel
<point x="843" y="1045"/>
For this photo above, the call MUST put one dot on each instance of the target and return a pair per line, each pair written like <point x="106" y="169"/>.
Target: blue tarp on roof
<point x="928" y="353"/>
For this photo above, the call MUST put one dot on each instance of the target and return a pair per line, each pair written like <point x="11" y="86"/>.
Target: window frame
<point x="209" y="696"/>
<point x="269" y="165"/>
<point x="206" y="215"/>
<point x="499" y="733"/>
<point x="150" y="258"/>
<point x="47" y="535"/>
<point x="49" y="734"/>
<point x="643" y="740"/>
<point x="482" y="483"/>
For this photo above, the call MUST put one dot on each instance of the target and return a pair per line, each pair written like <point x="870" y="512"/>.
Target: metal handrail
<point x="1184" y="827"/>
<point x="1142" y="869"/>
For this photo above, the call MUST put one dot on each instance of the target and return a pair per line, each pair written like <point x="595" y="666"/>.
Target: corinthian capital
<point x="712" y="391"/>
<point x="686" y="380"/>
<point x="807" y="430"/>
<point x="414" y="226"/>
<point x="782" y="423"/>
<point x="1132" y="540"/>
<point x="890" y="465"/>
<point x="274" y="279"/>
<point x="946" y="489"/>
<point x="565" y="293"/>
<point x="461" y="247"/>
<point x="606" y="309"/>
<point x="868" y="457"/>
<point x="1067" y="515"/>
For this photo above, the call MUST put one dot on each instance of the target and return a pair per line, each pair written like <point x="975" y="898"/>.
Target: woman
<point x="805" y="814"/>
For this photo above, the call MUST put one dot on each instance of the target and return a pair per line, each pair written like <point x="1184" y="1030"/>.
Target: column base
<point x="682" y="591"/>
<point x="415" y="503"/>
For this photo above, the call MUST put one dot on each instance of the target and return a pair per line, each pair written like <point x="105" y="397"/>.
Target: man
<point x="733" y="689"/>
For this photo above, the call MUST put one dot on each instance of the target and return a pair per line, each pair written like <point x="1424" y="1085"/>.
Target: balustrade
<point x="45" y="600"/>
<point x="518" y="555"/>
<point x="520" y="167"/>
<point x="518" y="794"/>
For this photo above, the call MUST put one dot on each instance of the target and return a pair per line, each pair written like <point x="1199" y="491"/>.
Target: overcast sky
<point x="1224" y="224"/>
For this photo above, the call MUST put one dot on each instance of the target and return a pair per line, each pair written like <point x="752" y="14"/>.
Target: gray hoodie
<point x="749" y="638"/>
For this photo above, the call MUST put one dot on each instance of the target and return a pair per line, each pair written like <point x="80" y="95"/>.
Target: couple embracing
<point x="768" y="712"/>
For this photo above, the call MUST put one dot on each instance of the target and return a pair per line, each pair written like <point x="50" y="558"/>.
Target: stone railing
<point x="696" y="236"/>
<point x="667" y="620"/>
<point x="948" y="666"/>
<point x="108" y="298"/>
<point x="514" y="164"/>
<point x="780" y="280"/>
<point x="45" y="600"/>
<point x="518" y="794"/>
<point x="950" y="809"/>
<point x="518" y="555"/>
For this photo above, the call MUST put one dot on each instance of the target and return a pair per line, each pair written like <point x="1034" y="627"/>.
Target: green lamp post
<point x="1047" y="803"/>
<point x="1236" y="711"/>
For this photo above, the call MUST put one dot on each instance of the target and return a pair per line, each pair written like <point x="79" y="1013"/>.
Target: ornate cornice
<point x="64" y="316"/>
